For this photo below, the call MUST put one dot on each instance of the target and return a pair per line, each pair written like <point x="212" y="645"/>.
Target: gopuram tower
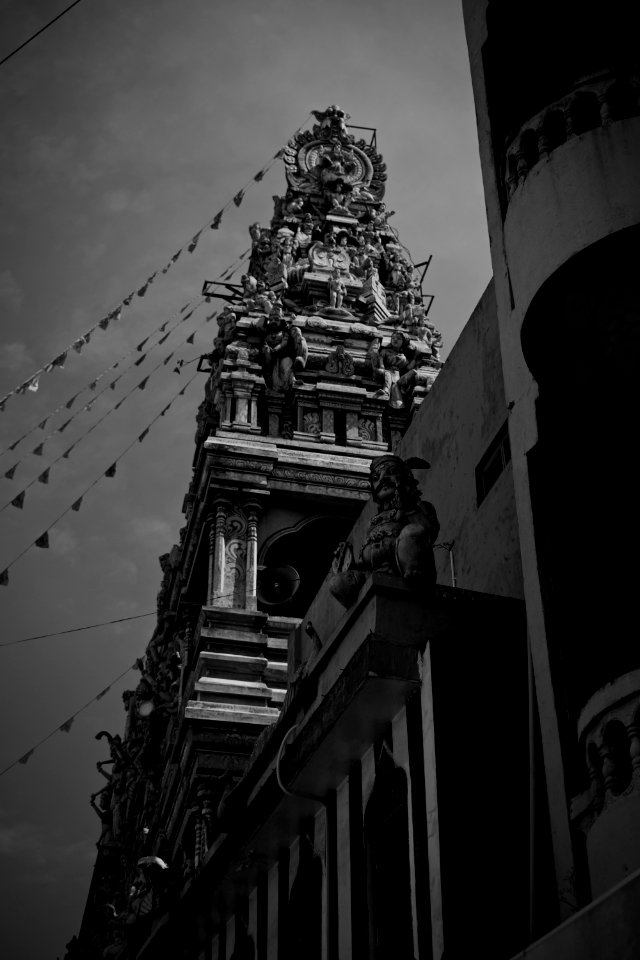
<point x="324" y="352"/>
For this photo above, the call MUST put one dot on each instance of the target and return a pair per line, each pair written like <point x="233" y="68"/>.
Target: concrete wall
<point x="453" y="428"/>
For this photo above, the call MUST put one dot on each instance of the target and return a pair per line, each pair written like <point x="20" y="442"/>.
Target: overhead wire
<point x="89" y="626"/>
<point x="38" y="32"/>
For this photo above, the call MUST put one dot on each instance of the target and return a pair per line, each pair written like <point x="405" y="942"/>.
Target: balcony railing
<point x="596" y="102"/>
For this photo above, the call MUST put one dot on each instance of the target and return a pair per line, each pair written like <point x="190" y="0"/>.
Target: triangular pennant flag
<point x="67" y="453"/>
<point x="163" y="327"/>
<point x="216" y="220"/>
<point x="4" y="401"/>
<point x="141" y="344"/>
<point x="162" y="339"/>
<point x="19" y="500"/>
<point x="104" y="323"/>
<point x="279" y="154"/>
<point x="93" y="385"/>
<point x="143" y="383"/>
<point x="162" y="412"/>
<point x="152" y="277"/>
<point x="119" y="403"/>
<point x="194" y="242"/>
<point x="88" y="406"/>
<point x="4" y="578"/>
<point x="259" y="176"/>
<point x="26" y="757"/>
<point x="60" y="360"/>
<point x="78" y="344"/>
<point x="190" y="314"/>
<point x="11" y="471"/>
<point x="143" y="290"/>
<point x="43" y="541"/>
<point x="66" y="726"/>
<point x="76" y="506"/>
<point x="186" y="307"/>
<point x="178" y="365"/>
<point x="168" y="267"/>
<point x="103" y="693"/>
<point x="38" y="450"/>
<point x="71" y="402"/>
<point x="117" y="314"/>
<point x="43" y="423"/>
<point x="16" y="442"/>
<point x="181" y="394"/>
<point x="191" y="338"/>
<point x="64" y="425"/>
<point x="87" y="336"/>
<point x="175" y="256"/>
<point x="143" y="435"/>
<point x="111" y="472"/>
<point x="44" y="476"/>
<point x="127" y="300"/>
<point x="166" y="359"/>
<point x="33" y="386"/>
<point x="112" y="385"/>
<point x="238" y="198"/>
<point x="211" y="316"/>
<point x="139" y="360"/>
<point x="207" y="299"/>
<point x="23" y="386"/>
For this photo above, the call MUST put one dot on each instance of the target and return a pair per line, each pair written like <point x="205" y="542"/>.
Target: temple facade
<point x="391" y="705"/>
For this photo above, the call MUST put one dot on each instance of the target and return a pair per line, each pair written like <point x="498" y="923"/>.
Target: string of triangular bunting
<point x="39" y="449"/>
<point x="32" y="383"/>
<point x="19" y="500"/>
<point x="43" y="540"/>
<point x="163" y="328"/>
<point x="90" y="386"/>
<point x="66" y="726"/>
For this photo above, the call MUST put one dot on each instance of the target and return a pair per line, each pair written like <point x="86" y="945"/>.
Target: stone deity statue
<point x="400" y="537"/>
<point x="395" y="366"/>
<point x="284" y="351"/>
<point x="337" y="289"/>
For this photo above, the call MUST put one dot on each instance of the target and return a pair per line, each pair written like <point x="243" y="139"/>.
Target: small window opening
<point x="493" y="462"/>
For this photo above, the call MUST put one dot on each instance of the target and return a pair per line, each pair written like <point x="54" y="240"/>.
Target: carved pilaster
<point x="217" y="552"/>
<point x="252" y="510"/>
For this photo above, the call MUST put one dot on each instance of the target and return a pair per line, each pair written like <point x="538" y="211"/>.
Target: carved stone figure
<point x="249" y="286"/>
<point x="395" y="366"/>
<point x="400" y="537"/>
<point x="227" y="325"/>
<point x="337" y="289"/>
<point x="283" y="352"/>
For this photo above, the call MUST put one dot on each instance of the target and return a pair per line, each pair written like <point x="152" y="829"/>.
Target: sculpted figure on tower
<point x="400" y="537"/>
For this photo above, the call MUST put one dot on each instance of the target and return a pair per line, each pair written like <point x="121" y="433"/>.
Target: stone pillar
<point x="252" y="511"/>
<point x="217" y="551"/>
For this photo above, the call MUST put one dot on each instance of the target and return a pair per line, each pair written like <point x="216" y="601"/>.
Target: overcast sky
<point x="125" y="127"/>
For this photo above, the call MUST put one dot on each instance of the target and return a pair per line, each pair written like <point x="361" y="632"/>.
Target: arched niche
<point x="306" y="550"/>
<point x="581" y="341"/>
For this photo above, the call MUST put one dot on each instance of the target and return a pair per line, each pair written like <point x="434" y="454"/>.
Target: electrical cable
<point x="37" y="34"/>
<point x="61" y="633"/>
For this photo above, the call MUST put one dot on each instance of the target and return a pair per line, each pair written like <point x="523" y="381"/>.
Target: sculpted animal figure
<point x="400" y="536"/>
